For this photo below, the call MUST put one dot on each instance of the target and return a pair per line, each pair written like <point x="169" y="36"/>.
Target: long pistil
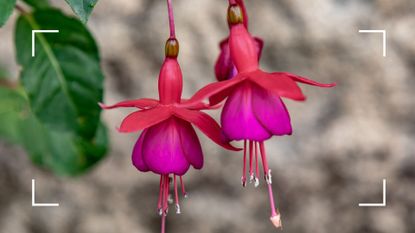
<point x="275" y="215"/>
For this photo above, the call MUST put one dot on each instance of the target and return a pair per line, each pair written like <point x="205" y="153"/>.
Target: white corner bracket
<point x="378" y="31"/>
<point x="34" y="204"/>
<point x="34" y="35"/>
<point x="383" y="204"/>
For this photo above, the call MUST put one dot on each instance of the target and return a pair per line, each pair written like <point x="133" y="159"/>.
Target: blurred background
<point x="346" y="139"/>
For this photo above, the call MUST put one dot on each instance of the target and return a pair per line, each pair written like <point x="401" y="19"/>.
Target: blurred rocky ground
<point x="346" y="139"/>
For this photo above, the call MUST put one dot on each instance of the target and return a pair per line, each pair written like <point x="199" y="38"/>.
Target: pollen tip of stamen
<point x="243" y="181"/>
<point x="251" y="178"/>
<point x="186" y="195"/>
<point x="170" y="199"/>
<point x="178" y="209"/>
<point x="256" y="184"/>
<point x="160" y="211"/>
<point x="276" y="221"/>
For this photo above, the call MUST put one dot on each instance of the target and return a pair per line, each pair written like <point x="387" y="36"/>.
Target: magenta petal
<point x="191" y="145"/>
<point x="271" y="112"/>
<point x="238" y="119"/>
<point x="137" y="157"/>
<point x="162" y="149"/>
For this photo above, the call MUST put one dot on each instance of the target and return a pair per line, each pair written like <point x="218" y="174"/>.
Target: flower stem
<point x="171" y="19"/>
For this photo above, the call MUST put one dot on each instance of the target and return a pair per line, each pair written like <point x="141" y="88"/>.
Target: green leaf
<point x="82" y="8"/>
<point x="4" y="74"/>
<point x="61" y="152"/>
<point x="64" y="80"/>
<point x="38" y="4"/>
<point x="61" y="129"/>
<point x="13" y="110"/>
<point x="6" y="9"/>
<point x="66" y="154"/>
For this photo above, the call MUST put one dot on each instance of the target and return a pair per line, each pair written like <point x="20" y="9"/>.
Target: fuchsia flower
<point x="254" y="110"/>
<point x="168" y="144"/>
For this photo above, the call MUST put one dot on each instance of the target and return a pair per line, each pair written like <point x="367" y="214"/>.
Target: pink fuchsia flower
<point x="168" y="144"/>
<point x="254" y="110"/>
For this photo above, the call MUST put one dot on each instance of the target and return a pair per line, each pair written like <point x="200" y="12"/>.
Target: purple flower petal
<point x="137" y="157"/>
<point x="271" y="111"/>
<point x="190" y="144"/>
<point x="238" y="119"/>
<point x="162" y="149"/>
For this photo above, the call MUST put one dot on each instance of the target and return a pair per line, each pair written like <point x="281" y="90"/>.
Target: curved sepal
<point x="185" y="103"/>
<point x="277" y="83"/>
<point x="304" y="80"/>
<point x="143" y="103"/>
<point x="212" y="89"/>
<point x="143" y="119"/>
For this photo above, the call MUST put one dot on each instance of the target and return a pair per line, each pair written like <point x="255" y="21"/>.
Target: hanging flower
<point x="168" y="144"/>
<point x="254" y="110"/>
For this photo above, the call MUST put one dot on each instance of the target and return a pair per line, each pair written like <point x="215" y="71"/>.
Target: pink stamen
<point x="243" y="179"/>
<point x="176" y="195"/>
<point x="251" y="154"/>
<point x="183" y="188"/>
<point x="256" y="165"/>
<point x="275" y="215"/>
<point x="166" y="194"/>
<point x="159" y="205"/>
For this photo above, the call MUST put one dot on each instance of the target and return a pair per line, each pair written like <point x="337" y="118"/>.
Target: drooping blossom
<point x="168" y="144"/>
<point x="254" y="110"/>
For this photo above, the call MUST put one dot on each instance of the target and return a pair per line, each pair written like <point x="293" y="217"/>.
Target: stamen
<point x="159" y="205"/>
<point x="185" y="194"/>
<point x="176" y="195"/>
<point x="164" y="188"/>
<point x="243" y="178"/>
<point x="178" y="209"/>
<point x="275" y="215"/>
<point x="166" y="194"/>
<point x="256" y="165"/>
<point x="170" y="199"/>
<point x="251" y="154"/>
